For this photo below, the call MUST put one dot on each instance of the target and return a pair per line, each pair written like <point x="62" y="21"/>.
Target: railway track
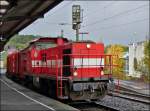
<point x="92" y="106"/>
<point x="131" y="95"/>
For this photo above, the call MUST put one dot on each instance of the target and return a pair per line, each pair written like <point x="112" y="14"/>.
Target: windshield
<point x="44" y="45"/>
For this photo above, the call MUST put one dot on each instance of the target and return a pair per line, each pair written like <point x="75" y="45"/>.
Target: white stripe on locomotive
<point x="88" y="62"/>
<point x="78" y="62"/>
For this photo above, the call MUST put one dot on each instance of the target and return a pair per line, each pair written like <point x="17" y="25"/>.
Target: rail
<point x="89" y="106"/>
<point x="133" y="96"/>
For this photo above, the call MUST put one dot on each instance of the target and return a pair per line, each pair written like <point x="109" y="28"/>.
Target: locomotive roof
<point x="48" y="39"/>
<point x="44" y="39"/>
<point x="84" y="41"/>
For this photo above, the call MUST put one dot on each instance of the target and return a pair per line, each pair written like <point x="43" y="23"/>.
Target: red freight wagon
<point x="66" y="70"/>
<point x="12" y="63"/>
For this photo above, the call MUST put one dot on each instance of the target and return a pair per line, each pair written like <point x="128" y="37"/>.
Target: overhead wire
<point x="113" y="16"/>
<point x="104" y="7"/>
<point x="107" y="18"/>
<point x="64" y="6"/>
<point x="119" y="25"/>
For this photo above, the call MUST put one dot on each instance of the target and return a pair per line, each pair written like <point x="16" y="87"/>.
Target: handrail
<point x="90" y="65"/>
<point x="108" y="64"/>
<point x="57" y="75"/>
<point x="91" y="54"/>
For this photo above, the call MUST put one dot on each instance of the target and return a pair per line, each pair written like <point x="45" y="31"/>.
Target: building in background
<point x="126" y="66"/>
<point x="1" y="60"/>
<point x="1" y="64"/>
<point x="136" y="54"/>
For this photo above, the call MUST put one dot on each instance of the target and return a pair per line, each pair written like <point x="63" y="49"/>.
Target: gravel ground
<point x="88" y="107"/>
<point x="92" y="109"/>
<point x="124" y="104"/>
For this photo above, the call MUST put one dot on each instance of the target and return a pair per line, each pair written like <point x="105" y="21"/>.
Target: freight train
<point x="64" y="69"/>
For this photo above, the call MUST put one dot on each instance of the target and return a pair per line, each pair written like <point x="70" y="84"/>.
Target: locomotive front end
<point x="85" y="63"/>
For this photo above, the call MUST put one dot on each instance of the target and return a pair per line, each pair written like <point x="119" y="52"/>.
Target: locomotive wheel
<point x="23" y="82"/>
<point x="104" y="90"/>
<point x="66" y="89"/>
<point x="8" y="75"/>
<point x="29" y="82"/>
<point x="43" y="86"/>
<point x="51" y="89"/>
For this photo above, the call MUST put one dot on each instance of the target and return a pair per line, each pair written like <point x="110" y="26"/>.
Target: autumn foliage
<point x="118" y="51"/>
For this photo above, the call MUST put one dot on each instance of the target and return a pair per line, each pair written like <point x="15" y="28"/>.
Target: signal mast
<point x="76" y="19"/>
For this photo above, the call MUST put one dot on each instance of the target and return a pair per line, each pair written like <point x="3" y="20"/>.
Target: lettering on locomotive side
<point x="48" y="63"/>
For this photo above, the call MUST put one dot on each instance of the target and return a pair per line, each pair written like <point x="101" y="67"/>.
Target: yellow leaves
<point x="117" y="50"/>
<point x="146" y="58"/>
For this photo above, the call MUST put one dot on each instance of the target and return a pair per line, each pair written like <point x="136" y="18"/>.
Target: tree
<point x="135" y="63"/>
<point x="146" y="58"/>
<point x="119" y="51"/>
<point x="144" y="64"/>
<point x="147" y="54"/>
<point x="19" y="41"/>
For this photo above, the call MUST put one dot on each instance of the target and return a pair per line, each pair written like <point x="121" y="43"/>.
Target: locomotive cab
<point x="84" y="64"/>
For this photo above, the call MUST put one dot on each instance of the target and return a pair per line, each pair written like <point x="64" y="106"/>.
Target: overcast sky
<point x="108" y="21"/>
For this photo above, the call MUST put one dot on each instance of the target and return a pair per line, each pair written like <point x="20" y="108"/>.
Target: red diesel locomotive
<point x="63" y="69"/>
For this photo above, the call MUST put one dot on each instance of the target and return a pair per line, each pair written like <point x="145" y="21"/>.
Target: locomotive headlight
<point x="102" y="73"/>
<point x="75" y="73"/>
<point x="88" y="46"/>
